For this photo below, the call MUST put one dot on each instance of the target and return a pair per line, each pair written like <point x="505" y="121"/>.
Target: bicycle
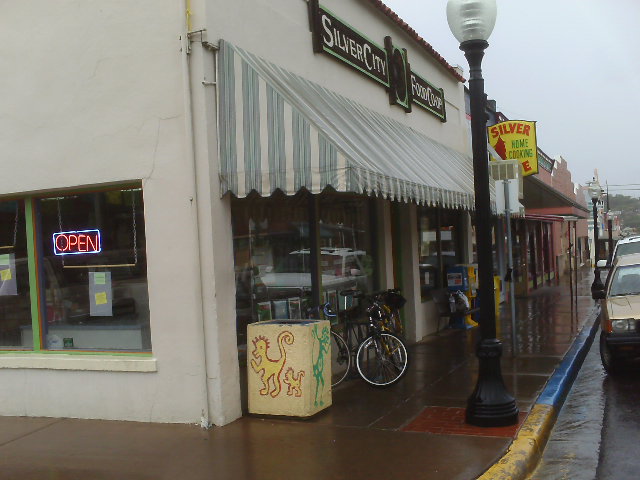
<point x="380" y="356"/>
<point x="391" y="301"/>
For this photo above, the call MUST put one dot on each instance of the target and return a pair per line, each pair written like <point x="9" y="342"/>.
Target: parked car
<point x="341" y="269"/>
<point x="624" y="246"/>
<point x="620" y="314"/>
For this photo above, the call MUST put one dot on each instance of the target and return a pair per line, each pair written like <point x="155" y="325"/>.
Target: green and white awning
<point x="278" y="130"/>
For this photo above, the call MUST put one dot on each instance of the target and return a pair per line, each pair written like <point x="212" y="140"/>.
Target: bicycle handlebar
<point x="313" y="312"/>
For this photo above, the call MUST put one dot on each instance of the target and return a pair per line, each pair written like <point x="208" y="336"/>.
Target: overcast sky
<point x="571" y="65"/>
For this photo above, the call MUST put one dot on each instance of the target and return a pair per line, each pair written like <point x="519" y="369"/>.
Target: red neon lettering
<point x="62" y="249"/>
<point x="90" y="240"/>
<point x="527" y="129"/>
<point x="77" y="242"/>
<point x="82" y="242"/>
<point x="526" y="165"/>
<point x="494" y="132"/>
<point x="519" y="128"/>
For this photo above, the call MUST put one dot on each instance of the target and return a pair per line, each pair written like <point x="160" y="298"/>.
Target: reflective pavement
<point x="574" y="443"/>
<point x="360" y="436"/>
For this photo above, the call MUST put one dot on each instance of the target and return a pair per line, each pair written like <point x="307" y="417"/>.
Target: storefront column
<point x="408" y="271"/>
<point x="385" y="226"/>
<point x="222" y="386"/>
<point x="314" y="249"/>
<point x="466" y="236"/>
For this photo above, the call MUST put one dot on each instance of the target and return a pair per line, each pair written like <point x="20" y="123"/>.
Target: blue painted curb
<point x="559" y="384"/>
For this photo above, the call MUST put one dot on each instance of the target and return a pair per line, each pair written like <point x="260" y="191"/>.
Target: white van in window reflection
<point x="341" y="268"/>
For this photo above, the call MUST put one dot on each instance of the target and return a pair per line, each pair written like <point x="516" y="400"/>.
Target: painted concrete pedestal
<point x="289" y="367"/>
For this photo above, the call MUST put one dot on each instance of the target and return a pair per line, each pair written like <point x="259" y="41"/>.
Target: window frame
<point x="36" y="291"/>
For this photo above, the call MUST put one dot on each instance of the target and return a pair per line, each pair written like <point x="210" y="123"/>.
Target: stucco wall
<point x="93" y="95"/>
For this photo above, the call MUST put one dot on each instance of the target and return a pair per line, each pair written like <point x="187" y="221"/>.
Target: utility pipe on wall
<point x="191" y="162"/>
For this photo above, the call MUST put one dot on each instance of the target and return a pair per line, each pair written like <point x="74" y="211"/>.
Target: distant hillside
<point x="630" y="208"/>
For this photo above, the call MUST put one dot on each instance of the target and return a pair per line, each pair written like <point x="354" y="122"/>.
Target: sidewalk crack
<point x="31" y="432"/>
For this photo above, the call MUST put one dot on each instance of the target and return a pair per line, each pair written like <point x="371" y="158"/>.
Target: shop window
<point x="88" y="260"/>
<point x="439" y="246"/>
<point x="15" y="302"/>
<point x="449" y="238"/>
<point x="271" y="256"/>
<point x="348" y="259"/>
<point x="429" y="263"/>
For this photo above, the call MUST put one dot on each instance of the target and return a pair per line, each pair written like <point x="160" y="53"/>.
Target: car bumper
<point x="624" y="344"/>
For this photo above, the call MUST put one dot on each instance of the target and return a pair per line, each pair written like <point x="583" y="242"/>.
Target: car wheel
<point x="610" y="362"/>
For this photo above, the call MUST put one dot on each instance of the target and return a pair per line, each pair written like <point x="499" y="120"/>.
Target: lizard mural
<point x="318" y="366"/>
<point x="294" y="383"/>
<point x="268" y="369"/>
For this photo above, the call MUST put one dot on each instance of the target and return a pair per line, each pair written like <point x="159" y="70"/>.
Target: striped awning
<point x="278" y="130"/>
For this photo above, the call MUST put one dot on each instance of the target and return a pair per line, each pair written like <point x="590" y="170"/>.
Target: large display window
<point x="272" y="254"/>
<point x="84" y="275"/>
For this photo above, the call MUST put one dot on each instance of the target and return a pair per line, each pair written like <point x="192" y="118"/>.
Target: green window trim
<point x="110" y="353"/>
<point x="34" y="290"/>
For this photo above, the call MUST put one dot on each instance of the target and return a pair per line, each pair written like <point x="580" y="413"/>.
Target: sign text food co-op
<point x="387" y="65"/>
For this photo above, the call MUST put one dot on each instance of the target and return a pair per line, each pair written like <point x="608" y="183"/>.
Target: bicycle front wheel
<point x="340" y="359"/>
<point x="382" y="359"/>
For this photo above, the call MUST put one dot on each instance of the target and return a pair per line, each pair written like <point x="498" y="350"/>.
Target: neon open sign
<point x="77" y="242"/>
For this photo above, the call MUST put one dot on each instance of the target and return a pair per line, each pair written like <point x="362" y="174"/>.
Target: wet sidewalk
<point x="415" y="429"/>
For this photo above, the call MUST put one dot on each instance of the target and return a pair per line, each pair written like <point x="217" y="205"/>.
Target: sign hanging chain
<point x="15" y="226"/>
<point x="60" y="224"/>
<point x="135" y="230"/>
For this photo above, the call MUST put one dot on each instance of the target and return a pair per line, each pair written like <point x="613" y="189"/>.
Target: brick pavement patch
<point x="450" y="421"/>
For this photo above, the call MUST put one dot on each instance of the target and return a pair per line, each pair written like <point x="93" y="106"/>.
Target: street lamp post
<point x="595" y="192"/>
<point x="490" y="405"/>
<point x="609" y="226"/>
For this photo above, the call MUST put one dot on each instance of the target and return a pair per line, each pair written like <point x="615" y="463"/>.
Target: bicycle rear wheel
<point x="382" y="359"/>
<point x="340" y="359"/>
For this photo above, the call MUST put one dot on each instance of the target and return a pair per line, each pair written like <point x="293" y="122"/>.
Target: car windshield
<point x="626" y="281"/>
<point x="628" y="248"/>
<point x="295" y="262"/>
<point x="330" y="263"/>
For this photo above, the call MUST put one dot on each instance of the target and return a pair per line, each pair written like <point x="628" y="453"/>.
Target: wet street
<point x="596" y="434"/>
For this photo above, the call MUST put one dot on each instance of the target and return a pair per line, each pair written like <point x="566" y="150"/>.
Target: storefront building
<point x="549" y="240"/>
<point x="189" y="172"/>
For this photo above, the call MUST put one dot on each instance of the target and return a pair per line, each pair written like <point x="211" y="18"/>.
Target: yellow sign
<point x="5" y="275"/>
<point x="516" y="140"/>
<point x="101" y="298"/>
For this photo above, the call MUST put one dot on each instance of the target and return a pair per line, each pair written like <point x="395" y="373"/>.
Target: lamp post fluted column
<point x="596" y="193"/>
<point x="490" y="404"/>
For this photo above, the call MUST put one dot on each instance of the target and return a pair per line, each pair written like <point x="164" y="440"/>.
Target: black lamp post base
<point x="597" y="282"/>
<point x="490" y="405"/>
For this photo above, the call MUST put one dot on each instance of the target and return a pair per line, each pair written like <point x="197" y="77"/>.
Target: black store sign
<point x="388" y="66"/>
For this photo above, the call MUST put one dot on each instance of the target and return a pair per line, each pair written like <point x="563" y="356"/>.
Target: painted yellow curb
<point x="524" y="453"/>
